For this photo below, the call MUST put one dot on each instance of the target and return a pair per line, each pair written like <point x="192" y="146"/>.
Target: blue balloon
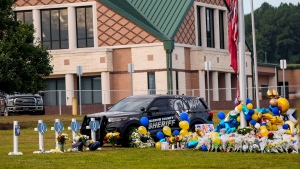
<point x="204" y="148"/>
<point x="144" y="121"/>
<point x="251" y="112"/>
<point x="248" y="101"/>
<point x="248" y="117"/>
<point x="188" y="120"/>
<point x="160" y="135"/>
<point x="275" y="111"/>
<point x="176" y="132"/>
<point x="221" y="115"/>
<point x="285" y="126"/>
<point x="253" y="122"/>
<point x="184" y="116"/>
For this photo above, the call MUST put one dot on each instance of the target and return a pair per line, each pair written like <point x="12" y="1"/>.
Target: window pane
<point x="151" y="83"/>
<point x="55" y="45"/>
<point x="19" y="16"/>
<point x="61" y="86"/>
<point x="89" y="22"/>
<point x="64" y="24"/>
<point x="28" y="17"/>
<point x="90" y="42"/>
<point x="86" y="96"/>
<point x="97" y="95"/>
<point x="64" y="44"/>
<point x="81" y="23"/>
<point x="161" y="104"/>
<point x="45" y="26"/>
<point x="81" y="43"/>
<point x="47" y="45"/>
<point x="55" y="25"/>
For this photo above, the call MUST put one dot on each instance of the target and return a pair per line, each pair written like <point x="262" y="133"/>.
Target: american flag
<point x="233" y="33"/>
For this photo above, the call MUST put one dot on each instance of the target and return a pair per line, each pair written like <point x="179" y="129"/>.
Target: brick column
<point x="228" y="86"/>
<point x="215" y="85"/>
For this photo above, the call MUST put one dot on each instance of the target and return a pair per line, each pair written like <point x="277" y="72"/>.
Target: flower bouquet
<point x="112" y="138"/>
<point x="80" y="141"/>
<point x="141" y="140"/>
<point x="61" y="139"/>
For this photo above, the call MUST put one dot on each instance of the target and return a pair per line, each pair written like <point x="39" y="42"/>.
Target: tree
<point x="23" y="63"/>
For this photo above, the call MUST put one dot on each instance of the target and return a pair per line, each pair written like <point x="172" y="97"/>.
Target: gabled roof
<point x="162" y="18"/>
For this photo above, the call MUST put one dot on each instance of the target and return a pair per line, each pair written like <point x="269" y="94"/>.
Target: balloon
<point x="160" y="135"/>
<point x="221" y="115"/>
<point x="274" y="127"/>
<point x="264" y="132"/>
<point x="158" y="145"/>
<point x="254" y="117"/>
<point x="251" y="112"/>
<point x="144" y="121"/>
<point x="176" y="132"/>
<point x="285" y="126"/>
<point x="273" y="102"/>
<point x="249" y="106"/>
<point x="184" y="125"/>
<point x="183" y="132"/>
<point x="283" y="105"/>
<point x="253" y="122"/>
<point x="236" y="109"/>
<point x="238" y="119"/>
<point x="248" y="117"/>
<point x="184" y="116"/>
<point x="257" y="125"/>
<point x="142" y="130"/>
<point x="275" y="111"/>
<point x="239" y="107"/>
<point x="167" y="130"/>
<point x="189" y="121"/>
<point x="204" y="148"/>
<point x="248" y="101"/>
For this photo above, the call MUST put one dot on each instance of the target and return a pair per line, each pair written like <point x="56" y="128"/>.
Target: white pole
<point x="56" y="135"/>
<point x="73" y="132"/>
<point x="41" y="138"/>
<point x="207" y="75"/>
<point x="255" y="57"/>
<point x="283" y="80"/>
<point x="80" y="95"/>
<point x="59" y="98"/>
<point x="15" y="134"/>
<point x="242" y="67"/>
<point x="93" y="133"/>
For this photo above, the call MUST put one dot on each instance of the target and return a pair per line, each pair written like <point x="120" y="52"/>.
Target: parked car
<point x="161" y="110"/>
<point x="21" y="104"/>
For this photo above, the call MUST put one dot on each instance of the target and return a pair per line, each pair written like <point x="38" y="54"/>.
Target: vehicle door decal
<point x="161" y="122"/>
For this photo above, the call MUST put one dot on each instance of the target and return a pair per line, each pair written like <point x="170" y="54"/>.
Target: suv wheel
<point x="125" y="142"/>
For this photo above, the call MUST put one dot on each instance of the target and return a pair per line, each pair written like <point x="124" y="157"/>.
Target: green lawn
<point x="121" y="158"/>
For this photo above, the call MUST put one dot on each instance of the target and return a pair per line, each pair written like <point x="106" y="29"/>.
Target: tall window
<point x="91" y="90"/>
<point x="221" y="23"/>
<point x="199" y="26"/>
<point x="24" y="16"/>
<point x="84" y="23"/>
<point x="151" y="83"/>
<point x="55" y="92"/>
<point x="55" y="28"/>
<point x="210" y="28"/>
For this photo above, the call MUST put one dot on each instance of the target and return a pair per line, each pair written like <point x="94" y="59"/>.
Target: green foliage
<point x="24" y="64"/>
<point x="277" y="32"/>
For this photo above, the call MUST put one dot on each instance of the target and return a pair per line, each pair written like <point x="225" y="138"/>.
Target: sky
<point x="257" y="4"/>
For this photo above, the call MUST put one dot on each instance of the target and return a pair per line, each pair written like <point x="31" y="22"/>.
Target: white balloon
<point x="236" y="109"/>
<point x="257" y="125"/>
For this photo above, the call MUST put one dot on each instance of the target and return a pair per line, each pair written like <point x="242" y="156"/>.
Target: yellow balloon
<point x="184" y="125"/>
<point x="183" y="132"/>
<point x="254" y="117"/>
<point x="158" y="145"/>
<point x="239" y="107"/>
<point x="249" y="106"/>
<point x="262" y="127"/>
<point x="255" y="111"/>
<point x="167" y="130"/>
<point x="274" y="127"/>
<point x="142" y="130"/>
<point x="283" y="105"/>
<point x="238" y="119"/>
<point x="264" y="132"/>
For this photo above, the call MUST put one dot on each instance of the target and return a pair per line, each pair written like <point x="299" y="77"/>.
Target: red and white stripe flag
<point x="233" y="33"/>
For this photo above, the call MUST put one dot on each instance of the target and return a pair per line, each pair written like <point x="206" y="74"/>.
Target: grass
<point x="121" y="158"/>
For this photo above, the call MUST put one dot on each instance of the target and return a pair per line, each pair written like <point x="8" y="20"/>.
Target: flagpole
<point x="254" y="57"/>
<point x="242" y="67"/>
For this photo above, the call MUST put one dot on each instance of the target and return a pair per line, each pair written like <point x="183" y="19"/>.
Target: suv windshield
<point x="131" y="104"/>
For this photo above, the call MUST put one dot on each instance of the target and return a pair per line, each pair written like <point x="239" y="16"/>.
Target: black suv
<point x="161" y="110"/>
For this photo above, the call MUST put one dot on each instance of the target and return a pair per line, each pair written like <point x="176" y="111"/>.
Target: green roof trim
<point x="162" y="18"/>
<point x="128" y="11"/>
